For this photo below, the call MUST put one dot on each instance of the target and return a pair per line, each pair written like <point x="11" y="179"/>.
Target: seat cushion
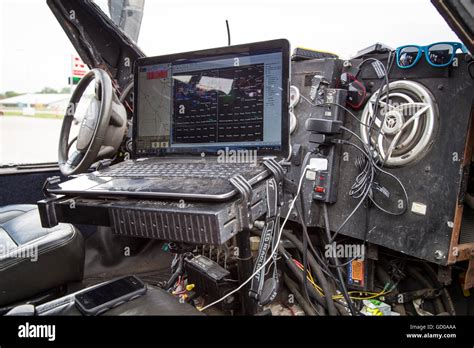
<point x="34" y="259"/>
<point x="21" y="230"/>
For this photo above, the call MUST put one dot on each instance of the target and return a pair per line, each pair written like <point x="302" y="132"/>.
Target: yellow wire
<point x="371" y="295"/>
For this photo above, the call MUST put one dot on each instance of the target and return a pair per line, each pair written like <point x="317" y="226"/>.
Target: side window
<point x="37" y="67"/>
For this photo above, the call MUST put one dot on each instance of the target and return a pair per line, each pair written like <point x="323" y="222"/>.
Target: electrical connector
<point x="315" y="165"/>
<point x="322" y="126"/>
<point x="318" y="164"/>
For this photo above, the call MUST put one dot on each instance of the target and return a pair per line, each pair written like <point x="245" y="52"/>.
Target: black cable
<point x="303" y="224"/>
<point x="438" y="304"/>
<point x="359" y="204"/>
<point x="344" y="264"/>
<point x="383" y="87"/>
<point x="317" y="272"/>
<point x="344" y="291"/>
<point x="299" y="275"/>
<point x="445" y="296"/>
<point x="342" y="107"/>
<point x="386" y="85"/>
<point x="365" y="180"/>
<point x="342" y="308"/>
<point x="389" y="285"/>
<point x="390" y="61"/>
<point x="315" y="252"/>
<point x="368" y="190"/>
<point x="304" y="251"/>
<point x="381" y="170"/>
<point x="307" y="240"/>
<point x="362" y="187"/>
<point x="176" y="274"/>
<point x="228" y="31"/>
<point x="305" y="305"/>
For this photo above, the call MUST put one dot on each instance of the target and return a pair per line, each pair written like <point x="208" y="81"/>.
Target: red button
<point x="319" y="189"/>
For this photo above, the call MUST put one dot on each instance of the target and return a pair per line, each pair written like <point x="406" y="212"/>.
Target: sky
<point x="35" y="52"/>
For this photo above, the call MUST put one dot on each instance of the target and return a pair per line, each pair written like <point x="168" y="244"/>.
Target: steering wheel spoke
<point x="70" y="144"/>
<point x="75" y="158"/>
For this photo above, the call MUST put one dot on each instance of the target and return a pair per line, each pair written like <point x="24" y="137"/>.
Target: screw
<point x="438" y="254"/>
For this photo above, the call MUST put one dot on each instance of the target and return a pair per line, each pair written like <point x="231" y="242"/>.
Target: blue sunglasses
<point x="438" y="54"/>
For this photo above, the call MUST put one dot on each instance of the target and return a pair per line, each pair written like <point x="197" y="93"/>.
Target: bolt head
<point x="438" y="254"/>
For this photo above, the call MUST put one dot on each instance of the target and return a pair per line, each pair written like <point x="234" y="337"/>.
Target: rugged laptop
<point x="201" y="118"/>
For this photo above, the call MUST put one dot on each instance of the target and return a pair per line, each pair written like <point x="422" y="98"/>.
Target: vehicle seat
<point x="34" y="259"/>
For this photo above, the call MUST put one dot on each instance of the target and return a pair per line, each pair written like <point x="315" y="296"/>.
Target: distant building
<point x="54" y="103"/>
<point x="36" y="100"/>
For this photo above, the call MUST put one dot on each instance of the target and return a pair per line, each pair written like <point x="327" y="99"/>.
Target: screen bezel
<point x="280" y="44"/>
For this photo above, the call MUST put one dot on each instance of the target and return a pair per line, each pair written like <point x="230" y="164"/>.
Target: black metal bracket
<point x="245" y="208"/>
<point x="261" y="290"/>
<point x="52" y="180"/>
<point x="103" y="164"/>
<point x="47" y="212"/>
<point x="243" y="240"/>
<point x="279" y="174"/>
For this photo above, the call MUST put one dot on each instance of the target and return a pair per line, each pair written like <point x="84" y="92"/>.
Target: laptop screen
<point x="233" y="97"/>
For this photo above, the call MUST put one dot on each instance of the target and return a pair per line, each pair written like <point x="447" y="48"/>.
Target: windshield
<point x="37" y="65"/>
<point x="38" y="69"/>
<point x="337" y="26"/>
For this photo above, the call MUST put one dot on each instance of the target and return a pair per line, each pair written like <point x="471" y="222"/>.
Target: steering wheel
<point x="101" y="130"/>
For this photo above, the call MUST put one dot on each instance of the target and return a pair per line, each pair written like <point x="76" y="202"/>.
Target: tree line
<point x="45" y="90"/>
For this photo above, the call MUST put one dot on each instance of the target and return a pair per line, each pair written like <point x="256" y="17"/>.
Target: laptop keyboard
<point x="189" y="170"/>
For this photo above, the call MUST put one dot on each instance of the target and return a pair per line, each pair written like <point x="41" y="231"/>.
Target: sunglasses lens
<point x="407" y="56"/>
<point x="440" y="54"/>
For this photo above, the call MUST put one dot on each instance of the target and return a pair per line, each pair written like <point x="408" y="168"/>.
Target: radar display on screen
<point x="213" y="102"/>
<point x="219" y="105"/>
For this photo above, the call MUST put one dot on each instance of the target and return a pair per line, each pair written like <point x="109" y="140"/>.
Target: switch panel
<point x="325" y="183"/>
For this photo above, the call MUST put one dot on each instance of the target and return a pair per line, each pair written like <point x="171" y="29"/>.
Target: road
<point x="26" y="139"/>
